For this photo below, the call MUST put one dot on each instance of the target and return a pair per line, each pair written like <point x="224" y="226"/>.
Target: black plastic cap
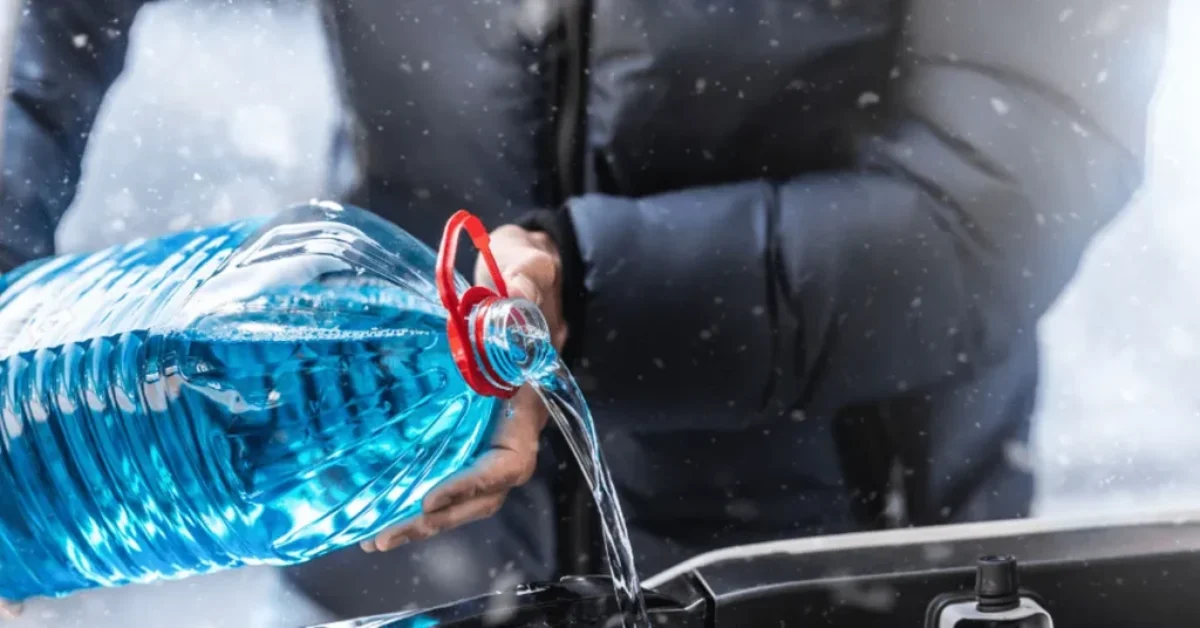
<point x="996" y="585"/>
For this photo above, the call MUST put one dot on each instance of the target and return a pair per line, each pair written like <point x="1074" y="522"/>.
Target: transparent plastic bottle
<point x="260" y="392"/>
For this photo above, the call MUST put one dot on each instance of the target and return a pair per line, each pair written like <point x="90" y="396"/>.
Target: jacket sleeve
<point x="65" y="56"/>
<point x="1011" y="136"/>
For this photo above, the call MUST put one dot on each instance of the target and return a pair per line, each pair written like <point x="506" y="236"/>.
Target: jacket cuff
<point x="558" y="226"/>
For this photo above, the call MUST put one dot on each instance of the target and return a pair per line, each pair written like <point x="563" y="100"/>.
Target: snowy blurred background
<point x="229" y="107"/>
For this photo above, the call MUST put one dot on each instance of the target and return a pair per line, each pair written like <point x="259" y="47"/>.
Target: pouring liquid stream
<point x="514" y="338"/>
<point x="562" y="397"/>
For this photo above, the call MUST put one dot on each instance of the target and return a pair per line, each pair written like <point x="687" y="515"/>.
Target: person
<point x="796" y="252"/>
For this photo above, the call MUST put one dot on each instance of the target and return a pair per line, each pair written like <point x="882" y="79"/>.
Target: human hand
<point x="531" y="266"/>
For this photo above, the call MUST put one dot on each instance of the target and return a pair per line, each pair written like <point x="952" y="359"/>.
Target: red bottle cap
<point x="469" y="355"/>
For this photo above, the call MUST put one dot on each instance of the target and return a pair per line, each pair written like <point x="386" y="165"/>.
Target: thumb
<point x="521" y="285"/>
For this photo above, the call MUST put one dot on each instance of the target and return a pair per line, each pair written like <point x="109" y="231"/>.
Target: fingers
<point x="498" y="471"/>
<point x="532" y="270"/>
<point x="523" y="253"/>
<point x="520" y="285"/>
<point x="475" y="495"/>
<point x="466" y="512"/>
<point x="432" y="523"/>
<point x="479" y="492"/>
<point x="10" y="610"/>
<point x="417" y="530"/>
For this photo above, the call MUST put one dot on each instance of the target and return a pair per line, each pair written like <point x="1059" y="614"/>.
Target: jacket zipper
<point x="570" y="134"/>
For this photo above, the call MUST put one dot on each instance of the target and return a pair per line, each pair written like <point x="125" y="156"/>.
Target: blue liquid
<point x="134" y="447"/>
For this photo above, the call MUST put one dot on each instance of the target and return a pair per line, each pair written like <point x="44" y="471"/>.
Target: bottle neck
<point x="515" y="341"/>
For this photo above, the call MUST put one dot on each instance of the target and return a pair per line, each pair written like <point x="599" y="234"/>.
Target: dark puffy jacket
<point x="806" y="242"/>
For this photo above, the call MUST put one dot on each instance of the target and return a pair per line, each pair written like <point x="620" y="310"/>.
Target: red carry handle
<point x="470" y="359"/>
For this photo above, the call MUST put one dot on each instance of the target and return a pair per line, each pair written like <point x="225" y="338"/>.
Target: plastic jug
<point x="260" y="392"/>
